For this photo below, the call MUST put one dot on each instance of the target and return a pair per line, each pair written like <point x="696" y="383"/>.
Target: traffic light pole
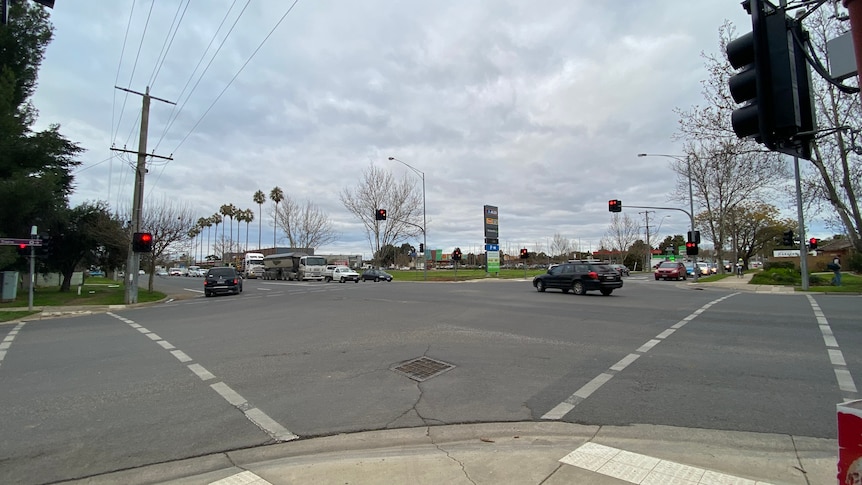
<point x="33" y="232"/>
<point x="134" y="261"/>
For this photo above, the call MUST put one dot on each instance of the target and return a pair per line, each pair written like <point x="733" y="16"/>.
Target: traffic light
<point x="694" y="236"/>
<point x="787" y="240"/>
<point x="773" y="83"/>
<point x="142" y="242"/>
<point x="524" y="253"/>
<point x="691" y="248"/>
<point x="812" y="243"/>
<point x="23" y="250"/>
<point x="456" y="254"/>
<point x="380" y="215"/>
<point x="615" y="206"/>
<point x="421" y="247"/>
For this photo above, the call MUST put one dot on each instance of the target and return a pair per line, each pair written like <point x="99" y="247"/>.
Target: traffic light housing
<point x="380" y="215"/>
<point x="23" y="250"/>
<point x="142" y="242"/>
<point x="773" y="83"/>
<point x="787" y="239"/>
<point x="812" y="243"/>
<point x="615" y="206"/>
<point x="456" y="254"/>
<point x="691" y="248"/>
<point x="524" y="253"/>
<point x="421" y="247"/>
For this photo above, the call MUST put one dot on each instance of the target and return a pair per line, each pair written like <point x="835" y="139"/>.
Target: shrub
<point x="779" y="264"/>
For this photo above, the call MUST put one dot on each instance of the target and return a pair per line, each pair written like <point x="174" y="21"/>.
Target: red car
<point x="669" y="270"/>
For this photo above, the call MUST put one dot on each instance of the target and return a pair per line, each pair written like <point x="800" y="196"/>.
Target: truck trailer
<point x="294" y="266"/>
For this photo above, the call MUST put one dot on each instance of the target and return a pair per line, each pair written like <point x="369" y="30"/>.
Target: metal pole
<point x="424" y="233"/>
<point x="803" y="255"/>
<point x="695" y="269"/>
<point x="33" y="231"/>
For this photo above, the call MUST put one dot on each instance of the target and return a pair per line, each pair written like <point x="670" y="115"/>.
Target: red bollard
<point x="850" y="443"/>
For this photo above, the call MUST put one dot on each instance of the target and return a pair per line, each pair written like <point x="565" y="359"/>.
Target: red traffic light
<point x="812" y="243"/>
<point x="380" y="215"/>
<point x="615" y="205"/>
<point x="142" y="242"/>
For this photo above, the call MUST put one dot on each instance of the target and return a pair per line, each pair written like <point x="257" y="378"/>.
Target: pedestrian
<point x="836" y="268"/>
<point x="739" y="268"/>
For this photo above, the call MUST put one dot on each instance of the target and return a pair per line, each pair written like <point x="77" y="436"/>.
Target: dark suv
<point x="580" y="277"/>
<point x="222" y="280"/>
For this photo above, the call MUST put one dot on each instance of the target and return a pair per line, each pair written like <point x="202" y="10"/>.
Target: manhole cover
<point x="423" y="368"/>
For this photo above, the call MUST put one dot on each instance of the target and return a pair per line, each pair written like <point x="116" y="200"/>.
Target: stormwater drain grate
<point x="423" y="368"/>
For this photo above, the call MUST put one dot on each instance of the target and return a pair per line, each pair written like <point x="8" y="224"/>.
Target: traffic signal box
<point x="812" y="243"/>
<point x="23" y="250"/>
<point x="773" y="83"/>
<point x="615" y="206"/>
<point x="691" y="248"/>
<point x="524" y="253"/>
<point x="142" y="242"/>
<point x="380" y="215"/>
<point x="456" y="254"/>
<point x="787" y="239"/>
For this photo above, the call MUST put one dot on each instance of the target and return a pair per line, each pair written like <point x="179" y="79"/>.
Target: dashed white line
<point x="244" y="478"/>
<point x="560" y="410"/>
<point x="836" y="357"/>
<point x="7" y="342"/>
<point x="253" y="414"/>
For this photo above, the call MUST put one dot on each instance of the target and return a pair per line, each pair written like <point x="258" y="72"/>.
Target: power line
<point x="135" y="65"/>
<point x="237" y="74"/>
<point x="158" y="67"/>
<point x="119" y="64"/>
<point x="174" y="114"/>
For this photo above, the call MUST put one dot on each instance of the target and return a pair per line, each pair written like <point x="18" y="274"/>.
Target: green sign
<point x="493" y="260"/>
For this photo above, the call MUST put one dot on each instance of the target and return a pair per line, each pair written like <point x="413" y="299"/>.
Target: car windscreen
<point x="315" y="261"/>
<point x="668" y="264"/>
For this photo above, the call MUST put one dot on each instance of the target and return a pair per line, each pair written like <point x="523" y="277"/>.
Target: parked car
<point x="376" y="275"/>
<point x="341" y="274"/>
<point x="580" y="277"/>
<point x="623" y="269"/>
<point x="689" y="269"/>
<point x="667" y="270"/>
<point x="703" y="268"/>
<point x="222" y="280"/>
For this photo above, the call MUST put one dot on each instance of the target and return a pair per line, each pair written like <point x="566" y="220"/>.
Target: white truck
<point x="340" y="274"/>
<point x="252" y="265"/>
<point x="294" y="266"/>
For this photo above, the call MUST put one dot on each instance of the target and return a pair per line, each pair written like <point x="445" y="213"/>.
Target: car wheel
<point x="540" y="286"/>
<point x="327" y="279"/>
<point x="376" y="279"/>
<point x="606" y="291"/>
<point x="578" y="288"/>
<point x="342" y="279"/>
<point x="356" y="280"/>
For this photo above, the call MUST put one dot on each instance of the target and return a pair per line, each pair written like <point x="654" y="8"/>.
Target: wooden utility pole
<point x="134" y="262"/>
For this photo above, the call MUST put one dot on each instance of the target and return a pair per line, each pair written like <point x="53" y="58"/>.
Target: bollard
<point x="850" y="442"/>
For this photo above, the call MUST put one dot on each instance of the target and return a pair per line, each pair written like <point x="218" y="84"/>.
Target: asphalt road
<point x="88" y="395"/>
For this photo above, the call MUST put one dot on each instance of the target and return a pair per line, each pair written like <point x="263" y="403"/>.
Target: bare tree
<point x="306" y="226"/>
<point x="560" y="246"/>
<point x="170" y="223"/>
<point x="834" y="185"/>
<point x="621" y="234"/>
<point x="724" y="171"/>
<point x="378" y="189"/>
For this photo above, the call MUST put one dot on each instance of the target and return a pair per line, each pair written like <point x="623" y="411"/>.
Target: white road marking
<point x="201" y="372"/>
<point x="560" y="410"/>
<point x="643" y="469"/>
<point x="253" y="414"/>
<point x="7" y="342"/>
<point x="836" y="357"/>
<point x="244" y="478"/>
<point x="5" y="345"/>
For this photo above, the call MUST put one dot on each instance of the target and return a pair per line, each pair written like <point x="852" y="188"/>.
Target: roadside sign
<point x="492" y="247"/>
<point x="15" y="242"/>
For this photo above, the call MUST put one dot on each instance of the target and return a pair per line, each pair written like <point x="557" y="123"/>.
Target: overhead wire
<point x="158" y="67"/>
<point x="175" y="112"/>
<point x="135" y="65"/>
<point x="290" y="9"/>
<point x="119" y="65"/>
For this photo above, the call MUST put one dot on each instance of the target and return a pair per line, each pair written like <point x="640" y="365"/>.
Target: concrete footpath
<point x="519" y="453"/>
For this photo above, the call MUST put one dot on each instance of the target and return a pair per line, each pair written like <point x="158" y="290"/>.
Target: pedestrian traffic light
<point x="456" y="254"/>
<point x="691" y="248"/>
<point x="615" y="206"/>
<point x="23" y="250"/>
<point x="773" y="84"/>
<point x="694" y="236"/>
<point x="787" y="240"/>
<point x="812" y="243"/>
<point x="380" y="215"/>
<point x="142" y="242"/>
<point x="524" y="253"/>
<point x="47" y="248"/>
<point x="421" y="247"/>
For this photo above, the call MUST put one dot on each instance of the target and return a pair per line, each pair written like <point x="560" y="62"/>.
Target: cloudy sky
<point x="537" y="107"/>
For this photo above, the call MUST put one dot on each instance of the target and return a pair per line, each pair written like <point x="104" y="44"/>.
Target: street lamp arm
<point x="424" y="220"/>
<point x="416" y="170"/>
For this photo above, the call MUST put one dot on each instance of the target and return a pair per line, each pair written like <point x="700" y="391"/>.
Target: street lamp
<point x="424" y="226"/>
<point x="687" y="161"/>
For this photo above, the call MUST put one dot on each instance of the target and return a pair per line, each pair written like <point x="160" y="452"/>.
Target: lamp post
<point x="687" y="161"/>
<point x="424" y="227"/>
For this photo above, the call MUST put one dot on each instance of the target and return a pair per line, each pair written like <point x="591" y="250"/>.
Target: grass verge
<point x="818" y="282"/>
<point x="462" y="274"/>
<point x="6" y="316"/>
<point x="97" y="291"/>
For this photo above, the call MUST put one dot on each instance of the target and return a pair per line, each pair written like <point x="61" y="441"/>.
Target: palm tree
<point x="248" y="217"/>
<point x="259" y="198"/>
<point x="201" y="225"/>
<point x="226" y="210"/>
<point x="276" y="195"/>
<point x="217" y="219"/>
